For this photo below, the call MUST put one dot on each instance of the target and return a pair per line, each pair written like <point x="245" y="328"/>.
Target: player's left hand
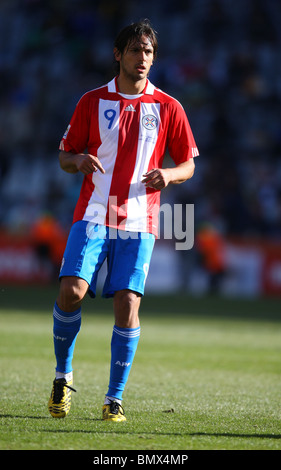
<point x="157" y="178"/>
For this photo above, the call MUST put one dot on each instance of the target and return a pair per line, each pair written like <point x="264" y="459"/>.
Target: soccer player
<point x="117" y="138"/>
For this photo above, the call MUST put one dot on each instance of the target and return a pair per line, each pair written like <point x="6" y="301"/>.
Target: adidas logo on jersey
<point x="130" y="108"/>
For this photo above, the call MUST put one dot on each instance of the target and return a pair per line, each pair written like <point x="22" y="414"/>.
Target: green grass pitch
<point x="206" y="376"/>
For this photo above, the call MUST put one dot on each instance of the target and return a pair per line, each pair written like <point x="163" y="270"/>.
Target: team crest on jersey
<point x="150" y="122"/>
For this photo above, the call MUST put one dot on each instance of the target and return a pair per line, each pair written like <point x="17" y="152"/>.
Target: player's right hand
<point x="87" y="163"/>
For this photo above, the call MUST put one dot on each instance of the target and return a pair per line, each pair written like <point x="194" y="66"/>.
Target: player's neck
<point x="130" y="87"/>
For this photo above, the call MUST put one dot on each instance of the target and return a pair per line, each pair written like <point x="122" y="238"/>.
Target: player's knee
<point x="127" y="299"/>
<point x="126" y="308"/>
<point x="71" y="293"/>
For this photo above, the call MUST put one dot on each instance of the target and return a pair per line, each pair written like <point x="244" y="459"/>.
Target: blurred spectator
<point x="210" y="246"/>
<point x="48" y="240"/>
<point x="221" y="59"/>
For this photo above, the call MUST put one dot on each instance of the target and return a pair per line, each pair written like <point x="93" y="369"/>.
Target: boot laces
<point x="59" y="385"/>
<point x="115" y="408"/>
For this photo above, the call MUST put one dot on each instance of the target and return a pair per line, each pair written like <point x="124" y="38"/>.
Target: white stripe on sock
<point x="67" y="319"/>
<point x="127" y="334"/>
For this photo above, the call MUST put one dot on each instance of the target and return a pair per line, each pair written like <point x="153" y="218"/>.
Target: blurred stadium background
<point x="222" y="60"/>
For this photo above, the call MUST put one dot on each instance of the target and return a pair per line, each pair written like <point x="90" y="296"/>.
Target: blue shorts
<point x="128" y="257"/>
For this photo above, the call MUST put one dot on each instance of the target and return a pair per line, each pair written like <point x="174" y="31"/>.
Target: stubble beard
<point x="134" y="77"/>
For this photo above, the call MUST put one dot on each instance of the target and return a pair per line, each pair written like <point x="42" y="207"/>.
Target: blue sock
<point x="66" y="329"/>
<point x="123" y="347"/>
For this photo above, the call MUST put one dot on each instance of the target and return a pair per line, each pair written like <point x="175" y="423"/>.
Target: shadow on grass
<point x="192" y="434"/>
<point x="122" y="430"/>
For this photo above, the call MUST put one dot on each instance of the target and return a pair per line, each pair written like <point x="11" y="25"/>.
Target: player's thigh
<point x="128" y="263"/>
<point x="84" y="255"/>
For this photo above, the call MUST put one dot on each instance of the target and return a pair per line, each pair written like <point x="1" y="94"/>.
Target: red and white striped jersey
<point x="130" y="135"/>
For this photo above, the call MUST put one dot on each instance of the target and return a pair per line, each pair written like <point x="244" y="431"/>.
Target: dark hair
<point x="134" y="32"/>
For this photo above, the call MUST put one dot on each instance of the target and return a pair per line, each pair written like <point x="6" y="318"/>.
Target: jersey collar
<point x="113" y="87"/>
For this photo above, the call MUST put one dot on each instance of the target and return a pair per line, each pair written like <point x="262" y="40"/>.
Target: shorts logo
<point x="150" y="122"/>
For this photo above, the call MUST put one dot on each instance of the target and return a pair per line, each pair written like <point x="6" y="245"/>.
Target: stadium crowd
<point x="220" y="58"/>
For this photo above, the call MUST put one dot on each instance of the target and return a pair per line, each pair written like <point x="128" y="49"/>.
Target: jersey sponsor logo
<point x="150" y="122"/>
<point x="130" y="108"/>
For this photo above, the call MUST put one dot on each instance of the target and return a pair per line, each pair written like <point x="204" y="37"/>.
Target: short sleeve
<point x="181" y="143"/>
<point x="76" y="136"/>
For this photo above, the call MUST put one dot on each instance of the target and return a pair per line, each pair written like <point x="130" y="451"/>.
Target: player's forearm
<point x="68" y="161"/>
<point x="159" y="178"/>
<point x="83" y="162"/>
<point x="181" y="172"/>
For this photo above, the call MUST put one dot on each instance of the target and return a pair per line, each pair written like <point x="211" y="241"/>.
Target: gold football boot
<point x="60" y="399"/>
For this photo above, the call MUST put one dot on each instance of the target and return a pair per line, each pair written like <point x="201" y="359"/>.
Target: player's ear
<point x="117" y="54"/>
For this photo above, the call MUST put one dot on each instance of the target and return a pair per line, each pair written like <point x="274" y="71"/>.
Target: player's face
<point x="136" y="60"/>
